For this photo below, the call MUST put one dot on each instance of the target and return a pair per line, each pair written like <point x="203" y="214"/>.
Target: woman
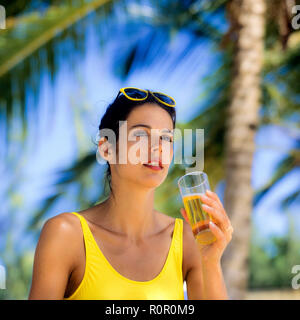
<point x="123" y="248"/>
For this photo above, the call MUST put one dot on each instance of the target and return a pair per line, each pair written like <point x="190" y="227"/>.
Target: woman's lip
<point x="156" y="162"/>
<point x="152" y="167"/>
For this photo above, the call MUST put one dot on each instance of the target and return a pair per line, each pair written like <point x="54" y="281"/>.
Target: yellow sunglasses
<point x="137" y="94"/>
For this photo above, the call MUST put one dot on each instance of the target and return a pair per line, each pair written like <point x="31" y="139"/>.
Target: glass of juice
<point x="191" y="186"/>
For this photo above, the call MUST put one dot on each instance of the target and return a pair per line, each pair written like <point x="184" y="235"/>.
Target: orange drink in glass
<point x="191" y="186"/>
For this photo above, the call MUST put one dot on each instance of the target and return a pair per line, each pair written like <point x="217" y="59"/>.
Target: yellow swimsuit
<point x="102" y="282"/>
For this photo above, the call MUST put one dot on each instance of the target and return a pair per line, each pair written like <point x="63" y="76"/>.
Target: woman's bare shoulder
<point x="63" y="220"/>
<point x="187" y="230"/>
<point x="64" y="225"/>
<point x="56" y="256"/>
<point x="165" y="221"/>
<point x="164" y="217"/>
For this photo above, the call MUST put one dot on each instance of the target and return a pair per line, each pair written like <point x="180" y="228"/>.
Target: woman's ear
<point x="105" y="150"/>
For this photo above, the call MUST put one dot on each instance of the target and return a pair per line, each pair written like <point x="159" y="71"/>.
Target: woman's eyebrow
<point x="167" y="130"/>
<point x="149" y="127"/>
<point x="140" y="125"/>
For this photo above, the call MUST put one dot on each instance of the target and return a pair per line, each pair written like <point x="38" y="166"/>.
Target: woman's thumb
<point x="183" y="213"/>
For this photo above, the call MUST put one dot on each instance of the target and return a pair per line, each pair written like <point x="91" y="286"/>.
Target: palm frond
<point x="32" y="31"/>
<point x="286" y="165"/>
<point x="29" y="48"/>
<point x="65" y="179"/>
<point x="291" y="199"/>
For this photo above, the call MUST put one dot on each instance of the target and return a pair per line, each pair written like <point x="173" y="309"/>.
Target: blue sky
<point x="272" y="144"/>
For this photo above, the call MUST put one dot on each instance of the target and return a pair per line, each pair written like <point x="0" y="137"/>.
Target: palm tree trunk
<point x="247" y="24"/>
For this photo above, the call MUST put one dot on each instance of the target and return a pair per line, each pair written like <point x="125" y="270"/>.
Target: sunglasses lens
<point x="135" y="93"/>
<point x="164" y="98"/>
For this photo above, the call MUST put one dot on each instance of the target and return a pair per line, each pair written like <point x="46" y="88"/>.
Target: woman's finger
<point x="183" y="213"/>
<point x="217" y="216"/>
<point x="209" y="201"/>
<point x="212" y="202"/>
<point x="218" y="233"/>
<point x="216" y="198"/>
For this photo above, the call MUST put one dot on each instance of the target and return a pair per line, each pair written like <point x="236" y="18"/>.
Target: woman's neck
<point x="130" y="212"/>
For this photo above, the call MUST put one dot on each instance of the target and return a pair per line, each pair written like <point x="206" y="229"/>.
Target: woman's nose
<point x="156" y="146"/>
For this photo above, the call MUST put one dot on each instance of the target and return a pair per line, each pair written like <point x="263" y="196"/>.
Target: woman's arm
<point x="54" y="258"/>
<point x="205" y="260"/>
<point x="204" y="279"/>
<point x="213" y="285"/>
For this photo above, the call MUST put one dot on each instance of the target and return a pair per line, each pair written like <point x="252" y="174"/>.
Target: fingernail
<point x="209" y="192"/>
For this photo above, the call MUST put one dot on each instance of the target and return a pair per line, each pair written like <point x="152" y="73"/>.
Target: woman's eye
<point x="167" y="138"/>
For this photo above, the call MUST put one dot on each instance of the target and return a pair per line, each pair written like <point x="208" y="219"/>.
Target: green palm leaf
<point x="28" y="48"/>
<point x="66" y="177"/>
<point x="34" y="30"/>
<point x="285" y="166"/>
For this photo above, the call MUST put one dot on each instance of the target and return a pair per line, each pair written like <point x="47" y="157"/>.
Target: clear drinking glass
<point x="191" y="186"/>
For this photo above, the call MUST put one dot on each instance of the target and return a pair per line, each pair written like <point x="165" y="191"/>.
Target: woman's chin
<point x="153" y="179"/>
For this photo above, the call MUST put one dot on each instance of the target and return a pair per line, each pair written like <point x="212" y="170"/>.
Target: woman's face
<point x="149" y="139"/>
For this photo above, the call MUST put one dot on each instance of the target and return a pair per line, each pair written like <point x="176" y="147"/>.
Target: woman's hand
<point x="221" y="227"/>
